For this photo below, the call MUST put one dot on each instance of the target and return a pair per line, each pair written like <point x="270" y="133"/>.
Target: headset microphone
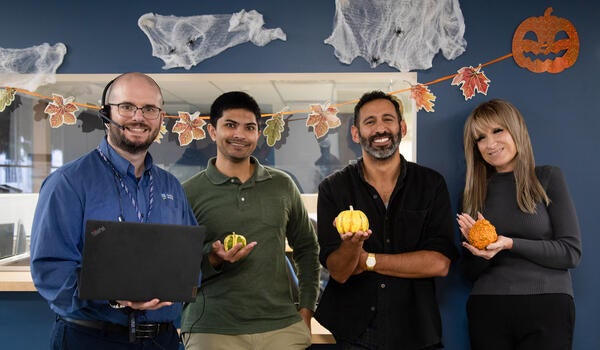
<point x="106" y="119"/>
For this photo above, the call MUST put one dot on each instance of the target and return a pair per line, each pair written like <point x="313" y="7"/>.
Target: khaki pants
<point x="294" y="337"/>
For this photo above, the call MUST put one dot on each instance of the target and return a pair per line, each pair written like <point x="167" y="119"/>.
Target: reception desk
<point x="18" y="279"/>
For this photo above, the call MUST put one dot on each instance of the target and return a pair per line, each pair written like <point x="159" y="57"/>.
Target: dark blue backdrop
<point x="560" y="109"/>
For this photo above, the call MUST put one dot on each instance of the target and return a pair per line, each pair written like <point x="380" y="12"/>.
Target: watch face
<point x="370" y="261"/>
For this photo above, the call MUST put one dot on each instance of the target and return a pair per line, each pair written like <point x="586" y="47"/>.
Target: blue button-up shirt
<point x="88" y="188"/>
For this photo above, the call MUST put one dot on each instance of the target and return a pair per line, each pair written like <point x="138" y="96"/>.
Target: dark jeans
<point x="521" y="322"/>
<point x="368" y="341"/>
<point x="69" y="336"/>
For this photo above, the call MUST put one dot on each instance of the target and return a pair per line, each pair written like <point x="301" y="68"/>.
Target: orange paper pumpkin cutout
<point x="545" y="44"/>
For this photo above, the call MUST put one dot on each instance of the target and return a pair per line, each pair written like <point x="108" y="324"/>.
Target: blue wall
<point x="561" y="109"/>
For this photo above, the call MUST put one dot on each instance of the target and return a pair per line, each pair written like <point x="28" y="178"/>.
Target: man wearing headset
<point x="118" y="182"/>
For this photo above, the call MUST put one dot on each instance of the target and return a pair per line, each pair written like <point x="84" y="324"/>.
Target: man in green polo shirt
<point x="245" y="301"/>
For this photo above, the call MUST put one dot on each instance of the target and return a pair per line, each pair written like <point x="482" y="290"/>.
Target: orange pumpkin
<point x="351" y="221"/>
<point x="545" y="44"/>
<point x="233" y="239"/>
<point x="482" y="233"/>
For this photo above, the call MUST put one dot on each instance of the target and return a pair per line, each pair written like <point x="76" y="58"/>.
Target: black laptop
<point x="140" y="261"/>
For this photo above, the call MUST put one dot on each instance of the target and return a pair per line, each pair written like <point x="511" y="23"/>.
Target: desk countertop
<point x="16" y="280"/>
<point x="19" y="280"/>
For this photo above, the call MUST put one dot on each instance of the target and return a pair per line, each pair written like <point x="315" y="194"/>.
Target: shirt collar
<point x="122" y="165"/>
<point x="401" y="177"/>
<point x="217" y="178"/>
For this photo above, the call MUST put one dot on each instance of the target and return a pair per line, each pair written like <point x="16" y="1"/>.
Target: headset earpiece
<point x="105" y="108"/>
<point x="105" y="111"/>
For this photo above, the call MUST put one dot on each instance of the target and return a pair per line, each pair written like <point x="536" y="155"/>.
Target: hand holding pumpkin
<point x="482" y="233"/>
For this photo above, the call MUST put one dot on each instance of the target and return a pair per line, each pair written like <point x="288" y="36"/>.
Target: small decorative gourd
<point x="482" y="233"/>
<point x="233" y="239"/>
<point x="351" y="221"/>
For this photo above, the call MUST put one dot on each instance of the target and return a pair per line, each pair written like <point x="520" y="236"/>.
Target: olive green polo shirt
<point x="252" y="295"/>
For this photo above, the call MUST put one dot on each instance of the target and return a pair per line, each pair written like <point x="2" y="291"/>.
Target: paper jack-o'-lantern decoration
<point x="545" y="44"/>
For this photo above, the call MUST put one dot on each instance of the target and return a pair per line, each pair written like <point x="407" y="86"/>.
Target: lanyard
<point x="133" y="201"/>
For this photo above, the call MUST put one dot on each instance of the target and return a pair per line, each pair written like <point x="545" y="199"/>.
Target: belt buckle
<point x="147" y="330"/>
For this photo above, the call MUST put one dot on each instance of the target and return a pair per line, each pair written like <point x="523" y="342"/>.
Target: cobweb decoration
<point x="31" y="67"/>
<point x="187" y="41"/>
<point x="404" y="34"/>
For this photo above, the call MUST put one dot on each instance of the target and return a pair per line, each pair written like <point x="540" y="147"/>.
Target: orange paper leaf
<point x="472" y="80"/>
<point x="322" y="119"/>
<point x="423" y="97"/>
<point x="61" y="111"/>
<point x="189" y="127"/>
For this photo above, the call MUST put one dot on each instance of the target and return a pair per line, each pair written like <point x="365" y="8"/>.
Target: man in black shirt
<point x="381" y="293"/>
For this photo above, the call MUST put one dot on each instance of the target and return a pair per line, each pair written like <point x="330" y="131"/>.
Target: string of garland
<point x="321" y="118"/>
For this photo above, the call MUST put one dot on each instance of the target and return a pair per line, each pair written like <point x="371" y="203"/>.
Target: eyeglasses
<point x="128" y="110"/>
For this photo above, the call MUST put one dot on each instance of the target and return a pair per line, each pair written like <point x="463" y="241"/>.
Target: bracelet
<point x="115" y="305"/>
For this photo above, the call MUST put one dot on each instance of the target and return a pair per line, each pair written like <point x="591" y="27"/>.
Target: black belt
<point x="142" y="330"/>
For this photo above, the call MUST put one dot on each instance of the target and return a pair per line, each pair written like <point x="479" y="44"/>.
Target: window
<point x="30" y="149"/>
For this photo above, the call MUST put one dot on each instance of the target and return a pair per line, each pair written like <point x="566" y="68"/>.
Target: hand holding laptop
<point x="153" y="304"/>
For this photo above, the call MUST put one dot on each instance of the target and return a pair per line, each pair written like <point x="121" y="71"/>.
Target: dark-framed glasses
<point x="128" y="110"/>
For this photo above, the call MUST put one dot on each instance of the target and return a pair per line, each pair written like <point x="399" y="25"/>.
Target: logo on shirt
<point x="166" y="196"/>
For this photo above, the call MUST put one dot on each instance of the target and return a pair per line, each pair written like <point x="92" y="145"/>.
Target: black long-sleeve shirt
<point x="418" y="217"/>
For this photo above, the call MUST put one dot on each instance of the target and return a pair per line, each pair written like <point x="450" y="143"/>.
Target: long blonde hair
<point x="529" y="189"/>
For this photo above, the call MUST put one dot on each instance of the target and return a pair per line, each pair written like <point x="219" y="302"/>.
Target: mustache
<point x="238" y="140"/>
<point x="136" y="124"/>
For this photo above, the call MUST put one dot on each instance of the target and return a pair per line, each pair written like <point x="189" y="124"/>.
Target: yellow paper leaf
<point x="274" y="128"/>
<point x="7" y="96"/>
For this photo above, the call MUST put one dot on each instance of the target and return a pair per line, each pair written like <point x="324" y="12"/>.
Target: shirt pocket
<point x="166" y="210"/>
<point x="274" y="211"/>
<point x="409" y="229"/>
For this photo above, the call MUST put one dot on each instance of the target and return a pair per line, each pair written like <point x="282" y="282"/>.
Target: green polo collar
<point x="217" y="178"/>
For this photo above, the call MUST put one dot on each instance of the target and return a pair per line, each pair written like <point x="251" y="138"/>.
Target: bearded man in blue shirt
<point x="117" y="181"/>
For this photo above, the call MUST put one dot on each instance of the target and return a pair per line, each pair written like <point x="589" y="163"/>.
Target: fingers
<point x="486" y="253"/>
<point x="153" y="304"/>
<point x="237" y="252"/>
<point x="356" y="237"/>
<point x="465" y="222"/>
<point x="466" y="219"/>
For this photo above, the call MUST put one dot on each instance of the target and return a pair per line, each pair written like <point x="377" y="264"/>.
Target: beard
<point x="120" y="141"/>
<point x="378" y="152"/>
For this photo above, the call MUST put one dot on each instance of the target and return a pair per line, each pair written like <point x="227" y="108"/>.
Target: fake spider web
<point x="187" y="41"/>
<point x="31" y="67"/>
<point x="406" y="34"/>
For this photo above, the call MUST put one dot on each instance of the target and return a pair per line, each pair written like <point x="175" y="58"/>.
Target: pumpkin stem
<point x="548" y="11"/>
<point x="351" y="208"/>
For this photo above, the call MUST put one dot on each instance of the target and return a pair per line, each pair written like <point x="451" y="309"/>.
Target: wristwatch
<point x="371" y="261"/>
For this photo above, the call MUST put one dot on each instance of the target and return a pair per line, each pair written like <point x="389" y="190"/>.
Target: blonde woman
<point x="522" y="295"/>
